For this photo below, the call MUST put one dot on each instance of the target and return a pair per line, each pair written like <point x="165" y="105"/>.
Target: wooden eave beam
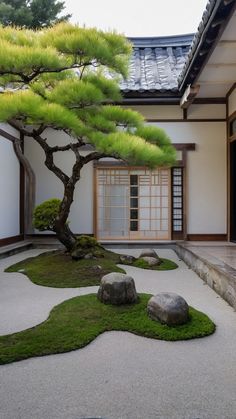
<point x="189" y="96"/>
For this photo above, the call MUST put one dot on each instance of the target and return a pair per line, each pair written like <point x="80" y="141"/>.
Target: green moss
<point x="165" y="265"/>
<point x="76" y="322"/>
<point x="57" y="269"/>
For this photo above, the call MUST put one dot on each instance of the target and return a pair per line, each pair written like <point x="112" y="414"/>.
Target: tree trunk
<point x="65" y="236"/>
<point x="61" y="228"/>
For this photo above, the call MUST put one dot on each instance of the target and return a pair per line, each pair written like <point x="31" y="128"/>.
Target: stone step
<point x="14" y="248"/>
<point x="220" y="276"/>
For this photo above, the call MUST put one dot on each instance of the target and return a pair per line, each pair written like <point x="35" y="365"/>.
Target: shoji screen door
<point x="133" y="204"/>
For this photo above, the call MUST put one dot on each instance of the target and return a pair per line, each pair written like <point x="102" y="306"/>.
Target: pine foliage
<point x="66" y="77"/>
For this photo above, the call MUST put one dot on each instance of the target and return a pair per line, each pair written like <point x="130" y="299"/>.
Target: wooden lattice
<point x="133" y="203"/>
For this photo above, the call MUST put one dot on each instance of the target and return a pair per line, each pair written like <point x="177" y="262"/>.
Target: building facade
<point x="186" y="85"/>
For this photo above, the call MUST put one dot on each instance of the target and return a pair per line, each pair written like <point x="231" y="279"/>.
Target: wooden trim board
<point x="207" y="237"/>
<point x="11" y="240"/>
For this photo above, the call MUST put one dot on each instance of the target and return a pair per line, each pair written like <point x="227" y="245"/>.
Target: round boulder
<point x="168" y="308"/>
<point x="150" y="253"/>
<point x="117" y="288"/>
<point x="127" y="259"/>
<point x="151" y="261"/>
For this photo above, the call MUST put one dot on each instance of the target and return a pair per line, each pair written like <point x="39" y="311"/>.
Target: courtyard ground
<point x="120" y="375"/>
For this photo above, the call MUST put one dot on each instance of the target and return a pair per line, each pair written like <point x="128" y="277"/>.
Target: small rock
<point x="149" y="253"/>
<point x="151" y="261"/>
<point x="168" y="308"/>
<point x="117" y="288"/>
<point x="76" y="254"/>
<point x="21" y="270"/>
<point x="96" y="268"/>
<point x="89" y="256"/>
<point x="98" y="254"/>
<point x="127" y="259"/>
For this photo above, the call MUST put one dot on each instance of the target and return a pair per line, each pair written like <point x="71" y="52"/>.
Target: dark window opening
<point x="177" y="199"/>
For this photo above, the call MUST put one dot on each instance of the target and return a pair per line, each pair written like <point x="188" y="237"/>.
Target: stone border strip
<point x="217" y="274"/>
<point x="15" y="248"/>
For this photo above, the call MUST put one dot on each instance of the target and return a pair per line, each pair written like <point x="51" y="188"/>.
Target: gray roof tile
<point x="156" y="63"/>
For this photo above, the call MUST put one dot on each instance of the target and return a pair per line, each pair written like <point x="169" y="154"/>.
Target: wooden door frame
<point x="230" y="139"/>
<point x="122" y="166"/>
<point x="184" y="148"/>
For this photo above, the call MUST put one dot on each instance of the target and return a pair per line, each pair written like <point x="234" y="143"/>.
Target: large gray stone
<point x="168" y="308"/>
<point x="117" y="288"/>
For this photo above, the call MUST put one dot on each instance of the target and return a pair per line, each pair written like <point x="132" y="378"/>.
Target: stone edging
<point x="219" y="276"/>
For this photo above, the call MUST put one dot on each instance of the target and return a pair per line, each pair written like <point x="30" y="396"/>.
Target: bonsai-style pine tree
<point x="31" y="13"/>
<point x="65" y="78"/>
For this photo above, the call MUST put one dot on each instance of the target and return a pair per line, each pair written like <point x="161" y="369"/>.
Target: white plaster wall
<point x="206" y="174"/>
<point x="207" y="111"/>
<point x="211" y="111"/>
<point x="232" y="102"/>
<point x="49" y="186"/>
<point x="9" y="189"/>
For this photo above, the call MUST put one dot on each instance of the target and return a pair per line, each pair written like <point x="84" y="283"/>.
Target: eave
<point x="214" y="21"/>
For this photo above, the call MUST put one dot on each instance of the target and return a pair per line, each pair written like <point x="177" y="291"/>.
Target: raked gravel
<point x="120" y="375"/>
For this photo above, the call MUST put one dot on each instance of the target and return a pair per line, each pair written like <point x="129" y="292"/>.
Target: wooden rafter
<point x="189" y="96"/>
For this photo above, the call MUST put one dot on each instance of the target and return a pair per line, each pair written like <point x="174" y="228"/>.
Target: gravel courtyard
<point x="120" y="375"/>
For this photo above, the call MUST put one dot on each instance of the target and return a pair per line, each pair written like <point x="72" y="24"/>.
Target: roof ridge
<point x="161" y="41"/>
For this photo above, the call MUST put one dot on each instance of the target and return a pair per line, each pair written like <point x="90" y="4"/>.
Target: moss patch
<point x="57" y="269"/>
<point x="165" y="265"/>
<point x="76" y="322"/>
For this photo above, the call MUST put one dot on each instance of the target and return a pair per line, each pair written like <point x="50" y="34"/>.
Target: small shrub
<point x="86" y="242"/>
<point x="45" y="214"/>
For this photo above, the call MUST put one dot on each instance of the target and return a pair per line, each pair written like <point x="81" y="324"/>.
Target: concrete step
<point x="220" y="276"/>
<point x="14" y="248"/>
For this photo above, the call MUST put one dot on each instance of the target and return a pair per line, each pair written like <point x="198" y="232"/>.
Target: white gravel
<point x="24" y="304"/>
<point x="120" y="375"/>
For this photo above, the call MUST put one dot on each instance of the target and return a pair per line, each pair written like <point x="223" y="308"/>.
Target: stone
<point x="168" y="308"/>
<point x="127" y="259"/>
<point x="98" y="254"/>
<point x="151" y="261"/>
<point x="149" y="253"/>
<point x="96" y="268"/>
<point x="117" y="288"/>
<point x="86" y="245"/>
<point x="78" y="254"/>
<point x="89" y="256"/>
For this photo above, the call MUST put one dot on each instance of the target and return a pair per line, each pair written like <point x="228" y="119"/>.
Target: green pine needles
<point x="57" y="77"/>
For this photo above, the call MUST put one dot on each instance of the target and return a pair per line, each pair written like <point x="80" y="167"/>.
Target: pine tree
<point x="66" y="78"/>
<point x="31" y="13"/>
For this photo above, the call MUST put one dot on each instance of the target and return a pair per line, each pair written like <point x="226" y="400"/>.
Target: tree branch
<point x="95" y="155"/>
<point x="49" y="161"/>
<point x="20" y="128"/>
<point x="28" y="78"/>
<point x="70" y="146"/>
<point x="40" y="130"/>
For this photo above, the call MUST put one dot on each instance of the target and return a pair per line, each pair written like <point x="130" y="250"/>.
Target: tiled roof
<point x="156" y="64"/>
